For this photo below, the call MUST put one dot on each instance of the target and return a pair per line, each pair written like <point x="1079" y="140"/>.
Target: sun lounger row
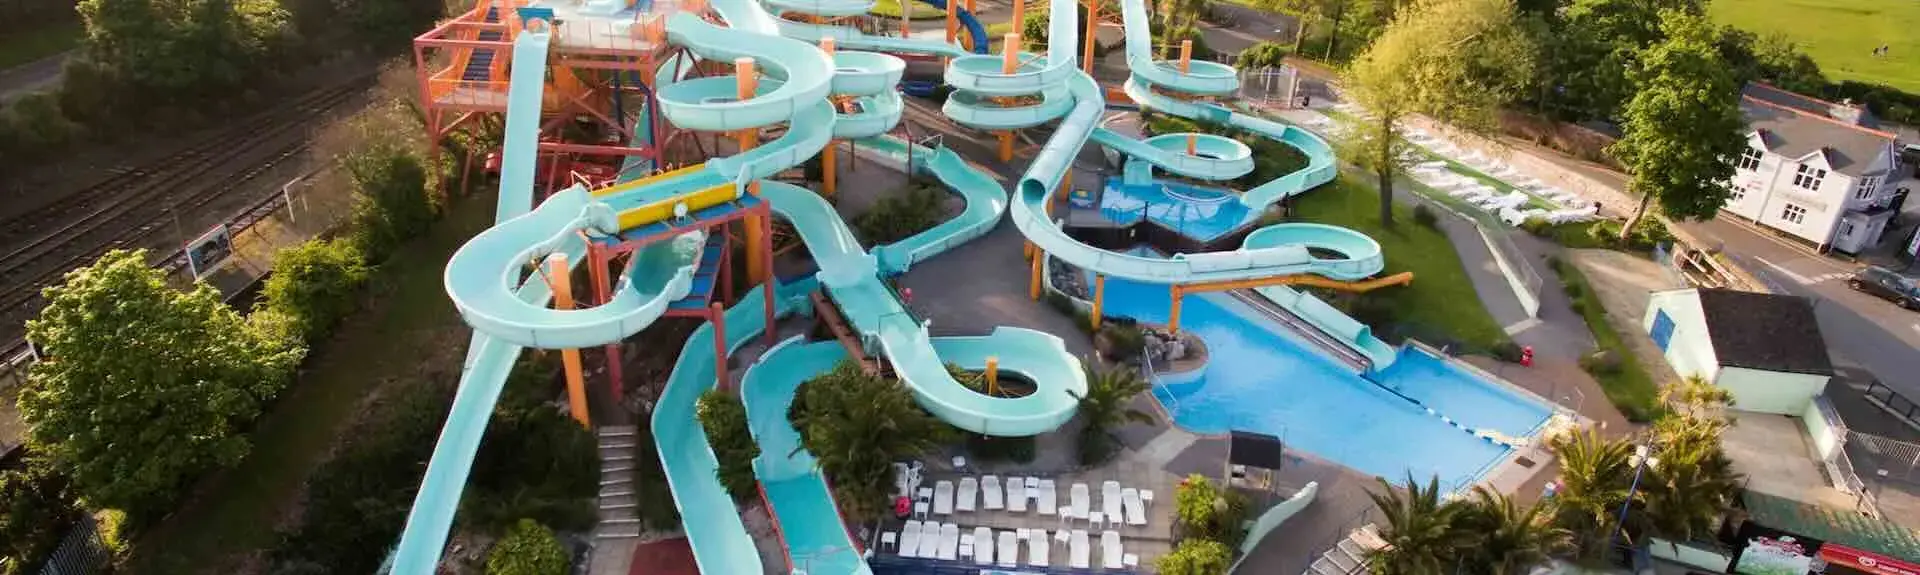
<point x="984" y="546"/>
<point x="1119" y="505"/>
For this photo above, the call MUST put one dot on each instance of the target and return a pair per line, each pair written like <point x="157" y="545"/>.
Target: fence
<point x="1886" y="458"/>
<point x="81" y="551"/>
<point x="1893" y="402"/>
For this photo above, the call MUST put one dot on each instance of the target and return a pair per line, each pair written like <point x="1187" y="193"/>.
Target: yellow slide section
<point x="662" y="209"/>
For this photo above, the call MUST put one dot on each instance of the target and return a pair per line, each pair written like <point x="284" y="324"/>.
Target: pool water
<point x="1198" y="212"/>
<point x="1262" y="378"/>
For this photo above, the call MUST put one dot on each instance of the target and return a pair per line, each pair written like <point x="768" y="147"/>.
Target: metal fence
<point x="1885" y="458"/>
<point x="80" y="552"/>
<point x="1892" y="401"/>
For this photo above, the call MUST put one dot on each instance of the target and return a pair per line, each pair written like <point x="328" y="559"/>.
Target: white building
<point x="1765" y="349"/>
<point x="1815" y="170"/>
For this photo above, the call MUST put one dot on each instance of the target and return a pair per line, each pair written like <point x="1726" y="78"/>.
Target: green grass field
<point x="1840" y="34"/>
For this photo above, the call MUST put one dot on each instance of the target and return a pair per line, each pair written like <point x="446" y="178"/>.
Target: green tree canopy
<point x="856" y="426"/>
<point x="182" y="48"/>
<point x="1196" y="557"/>
<point x="1454" y="61"/>
<point x="1108" y="405"/>
<point x="1683" y="126"/>
<point x="142" y="387"/>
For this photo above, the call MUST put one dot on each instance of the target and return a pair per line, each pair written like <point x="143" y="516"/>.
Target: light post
<point x="1642" y="459"/>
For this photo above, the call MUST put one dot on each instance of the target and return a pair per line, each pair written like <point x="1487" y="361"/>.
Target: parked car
<point x="1886" y="284"/>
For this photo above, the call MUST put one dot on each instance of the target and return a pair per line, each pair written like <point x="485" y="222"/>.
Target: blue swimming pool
<point x="1199" y="212"/>
<point x="1262" y="378"/>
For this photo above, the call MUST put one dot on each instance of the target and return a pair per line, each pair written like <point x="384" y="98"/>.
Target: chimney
<point x="1847" y="111"/>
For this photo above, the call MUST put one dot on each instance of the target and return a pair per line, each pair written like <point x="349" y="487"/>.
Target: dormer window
<point x="1750" y="159"/>
<point x="1808" y="177"/>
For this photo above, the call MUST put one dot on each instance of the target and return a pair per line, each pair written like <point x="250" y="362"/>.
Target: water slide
<point x="967" y="21"/>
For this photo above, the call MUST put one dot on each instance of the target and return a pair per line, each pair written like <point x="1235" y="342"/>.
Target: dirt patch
<point x="1624" y="282"/>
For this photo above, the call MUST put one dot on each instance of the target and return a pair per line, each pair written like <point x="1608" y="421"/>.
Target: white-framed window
<point x="1736" y="193"/>
<point x="1867" y="185"/>
<point x="1809" y="177"/>
<point x="1750" y="159"/>
<point x="1794" y="213"/>
<point x="1846" y="229"/>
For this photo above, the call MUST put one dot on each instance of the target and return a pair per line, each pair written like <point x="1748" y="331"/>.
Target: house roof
<point x="1846" y="528"/>
<point x="1764" y="331"/>
<point x="1794" y="126"/>
<point x="1808" y="104"/>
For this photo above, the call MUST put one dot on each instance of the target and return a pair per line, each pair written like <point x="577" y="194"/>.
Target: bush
<point x="36" y="508"/>
<point x="316" y="284"/>
<point x="901" y="214"/>
<point x="392" y="202"/>
<point x="1196" y="557"/>
<point x="1507" y="351"/>
<point x="725" y="419"/>
<point x="111" y="525"/>
<point x="1425" y="216"/>
<point x="986" y="448"/>
<point x="32" y="125"/>
<point x="1124" y="342"/>
<point x="529" y="549"/>
<point x="1538" y="226"/>
<point x="1208" y="512"/>
<point x="1601" y="362"/>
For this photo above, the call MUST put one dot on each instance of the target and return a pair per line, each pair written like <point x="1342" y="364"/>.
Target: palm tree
<point x="856" y="425"/>
<point x="1422" y="532"/>
<point x="1508" y="539"/>
<point x="1690" y="489"/>
<point x="1108" y="404"/>
<point x="1596" y="475"/>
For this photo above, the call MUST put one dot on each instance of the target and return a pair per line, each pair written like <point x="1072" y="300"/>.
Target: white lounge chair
<point x="930" y="540"/>
<point x="982" y="546"/>
<point x="909" y="540"/>
<point x="1046" y="500"/>
<point x="1110" y="552"/>
<point x="991" y="497"/>
<point x="1136" y="509"/>
<point x="1016" y="495"/>
<point x="1081" y="501"/>
<point x="1007" y="552"/>
<point x="967" y="494"/>
<point x="949" y="541"/>
<point x="943" y="497"/>
<point x="1038" y="546"/>
<point x="1110" y="500"/>
<point x="890" y="538"/>
<point x="1079" y="550"/>
<point x="900" y="480"/>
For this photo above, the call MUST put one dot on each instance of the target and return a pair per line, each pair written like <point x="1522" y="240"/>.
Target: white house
<point x="1815" y="170"/>
<point x="1765" y="349"/>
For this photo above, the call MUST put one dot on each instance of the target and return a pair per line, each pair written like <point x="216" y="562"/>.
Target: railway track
<point x="131" y="207"/>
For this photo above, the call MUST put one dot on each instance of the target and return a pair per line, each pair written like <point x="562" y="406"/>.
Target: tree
<point x="1772" y="58"/>
<point x="142" y="387"/>
<point x="1507" y="539"/>
<point x="1205" y="511"/>
<point x="529" y="549"/>
<point x="316" y="283"/>
<point x="1595" y="475"/>
<point x="392" y="199"/>
<point x="856" y="426"/>
<point x="1196" y="557"/>
<point x="35" y="512"/>
<point x="1454" y="61"/>
<point x="1420" y="529"/>
<point x="1683" y="126"/>
<point x="182" y="49"/>
<point x="724" y="418"/>
<point x="1598" y="43"/>
<point x="1689" y="489"/>
<point x="1108" y="404"/>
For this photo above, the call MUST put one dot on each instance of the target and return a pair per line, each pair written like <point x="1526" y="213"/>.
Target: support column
<point x="1186" y="55"/>
<point x="1010" y="61"/>
<point x="718" y="317"/>
<point x="599" y="257"/>
<point x="746" y="82"/>
<point x="830" y="167"/>
<point x="1099" y="298"/>
<point x="1173" y="314"/>
<point x="1193" y="144"/>
<point x="953" y="22"/>
<point x="1033" y="287"/>
<point x="993" y="375"/>
<point x="1093" y="27"/>
<point x="562" y="285"/>
<point x="766" y="273"/>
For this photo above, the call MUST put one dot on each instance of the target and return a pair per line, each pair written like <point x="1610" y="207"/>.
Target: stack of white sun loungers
<point x="1094" y="544"/>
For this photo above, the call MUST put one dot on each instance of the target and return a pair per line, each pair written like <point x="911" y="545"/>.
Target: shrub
<point x="32" y="125"/>
<point x="1196" y="557"/>
<point x="36" y="508"/>
<point x="392" y="202"/>
<point x="529" y="549"/>
<point x="1507" y="351"/>
<point x="315" y="283"/>
<point x="1425" y="216"/>
<point x="1601" y="362"/>
<point x="901" y="214"/>
<point x="111" y="525"/>
<point x="725" y="419"/>
<point x="1538" y="226"/>
<point x="1124" y="342"/>
<point x="1206" y="511"/>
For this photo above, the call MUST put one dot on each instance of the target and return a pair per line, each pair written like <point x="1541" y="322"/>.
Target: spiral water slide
<point x="1038" y="91"/>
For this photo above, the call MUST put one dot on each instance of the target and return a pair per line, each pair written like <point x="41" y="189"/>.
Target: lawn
<point x="921" y="10"/>
<point x="409" y="329"/>
<point x="1629" y="388"/>
<point x="35" y="42"/>
<point x="1441" y="299"/>
<point x="1840" y="34"/>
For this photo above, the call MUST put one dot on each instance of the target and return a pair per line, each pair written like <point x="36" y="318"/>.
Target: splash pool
<point x="1261" y="377"/>
<point x="1199" y="212"/>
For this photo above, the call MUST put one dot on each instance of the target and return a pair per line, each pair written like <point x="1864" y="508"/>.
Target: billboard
<point x="209" y="251"/>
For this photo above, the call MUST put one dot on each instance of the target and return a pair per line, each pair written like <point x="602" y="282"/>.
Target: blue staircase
<point x="480" y="65"/>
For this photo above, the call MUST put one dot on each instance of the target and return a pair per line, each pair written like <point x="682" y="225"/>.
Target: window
<point x="1662" y="331"/>
<point x="1808" y="178"/>
<point x="1846" y="229"/>
<point x="1750" y="159"/>
<point x="1736" y="193"/>
<point x="1793" y="213"/>
<point x="1866" y="188"/>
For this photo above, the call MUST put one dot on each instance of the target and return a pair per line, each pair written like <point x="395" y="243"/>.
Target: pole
<point x="603" y="293"/>
<point x="1193" y="144"/>
<point x="1010" y="61"/>
<point x="829" y="164"/>
<point x="559" y="279"/>
<point x="718" y="317"/>
<point x="993" y="375"/>
<point x="1093" y="23"/>
<point x="1033" y="285"/>
<point x="1186" y="55"/>
<point x="953" y="22"/>
<point x="1099" y="298"/>
<point x="766" y="271"/>
<point x="746" y="82"/>
<point x="1173" y="314"/>
<point x="1621" y="522"/>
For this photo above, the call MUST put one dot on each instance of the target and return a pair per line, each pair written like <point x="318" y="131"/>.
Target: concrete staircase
<point x="1349" y="555"/>
<point x="619" y="516"/>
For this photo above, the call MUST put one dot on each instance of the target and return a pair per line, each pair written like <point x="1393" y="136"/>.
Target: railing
<point x="81" y="551"/>
<point x="1893" y="402"/>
